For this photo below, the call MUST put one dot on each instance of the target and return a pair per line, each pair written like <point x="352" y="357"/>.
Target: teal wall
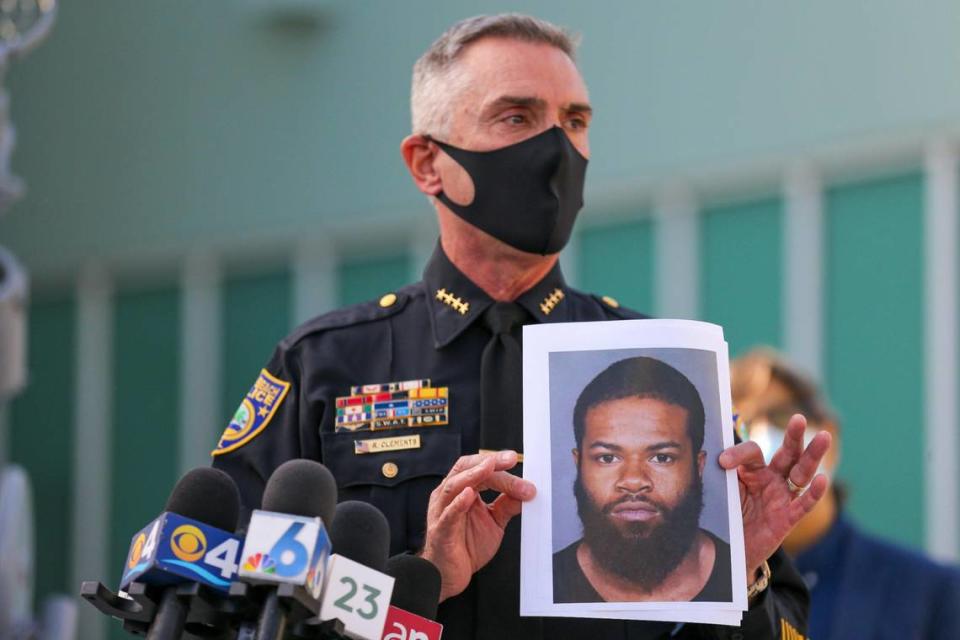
<point x="741" y="275"/>
<point x="359" y="280"/>
<point x="145" y="415"/>
<point x="256" y="314"/>
<point x="617" y="260"/>
<point x="221" y="122"/>
<point x="42" y="438"/>
<point x="874" y="354"/>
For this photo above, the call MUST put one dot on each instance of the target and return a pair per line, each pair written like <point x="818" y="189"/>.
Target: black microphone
<point x="303" y="488"/>
<point x="361" y="532"/>
<point x="357" y="591"/>
<point x="208" y="496"/>
<point x="417" y="586"/>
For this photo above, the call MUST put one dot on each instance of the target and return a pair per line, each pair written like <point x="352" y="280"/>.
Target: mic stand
<point x="208" y="613"/>
<point x="136" y="610"/>
<point x="287" y="607"/>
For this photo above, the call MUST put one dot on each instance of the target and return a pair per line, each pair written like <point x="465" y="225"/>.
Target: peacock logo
<point x="261" y="562"/>
<point x="188" y="543"/>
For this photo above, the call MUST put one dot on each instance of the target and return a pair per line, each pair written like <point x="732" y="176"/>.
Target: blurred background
<point x="201" y="177"/>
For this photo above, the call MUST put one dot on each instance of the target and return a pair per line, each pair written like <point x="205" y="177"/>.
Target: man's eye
<point x="576" y="124"/>
<point x="662" y="458"/>
<point x="606" y="458"/>
<point x="515" y="118"/>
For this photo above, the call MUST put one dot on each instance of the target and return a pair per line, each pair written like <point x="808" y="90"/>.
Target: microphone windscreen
<point x="208" y="495"/>
<point x="361" y="532"/>
<point x="301" y="488"/>
<point x="417" y="586"/>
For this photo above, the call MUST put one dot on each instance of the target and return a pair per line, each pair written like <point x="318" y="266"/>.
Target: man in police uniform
<point x="413" y="401"/>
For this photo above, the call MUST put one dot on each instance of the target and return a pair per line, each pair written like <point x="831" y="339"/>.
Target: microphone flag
<point x="173" y="549"/>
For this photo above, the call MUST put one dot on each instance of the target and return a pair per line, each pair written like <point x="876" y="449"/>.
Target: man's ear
<point x="420" y="154"/>
<point x="576" y="457"/>
<point x="701" y="460"/>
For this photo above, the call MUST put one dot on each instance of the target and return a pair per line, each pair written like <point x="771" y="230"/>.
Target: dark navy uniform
<point x="431" y="330"/>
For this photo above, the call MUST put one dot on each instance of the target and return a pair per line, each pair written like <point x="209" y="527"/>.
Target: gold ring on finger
<point x="795" y="489"/>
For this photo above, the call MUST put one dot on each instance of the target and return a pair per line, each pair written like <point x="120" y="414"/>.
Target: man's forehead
<point x="634" y="418"/>
<point x="507" y="48"/>
<point x="507" y="66"/>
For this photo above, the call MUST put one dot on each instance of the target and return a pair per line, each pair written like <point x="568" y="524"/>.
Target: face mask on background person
<point x="527" y="194"/>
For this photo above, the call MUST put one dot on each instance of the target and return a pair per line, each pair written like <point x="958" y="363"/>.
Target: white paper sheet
<point x="580" y="351"/>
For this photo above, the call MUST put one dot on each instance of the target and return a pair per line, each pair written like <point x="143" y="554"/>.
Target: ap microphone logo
<point x="173" y="548"/>
<point x="403" y="625"/>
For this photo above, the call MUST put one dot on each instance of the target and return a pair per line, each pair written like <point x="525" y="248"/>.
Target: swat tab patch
<point x="254" y="413"/>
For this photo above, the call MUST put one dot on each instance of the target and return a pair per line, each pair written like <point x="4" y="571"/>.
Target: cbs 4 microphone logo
<point x="173" y="548"/>
<point x="284" y="548"/>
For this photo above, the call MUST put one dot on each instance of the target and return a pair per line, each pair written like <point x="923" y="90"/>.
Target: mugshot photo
<point x="639" y="503"/>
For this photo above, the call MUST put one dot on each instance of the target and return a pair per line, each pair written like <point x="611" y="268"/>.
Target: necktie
<point x="501" y="427"/>
<point x="501" y="381"/>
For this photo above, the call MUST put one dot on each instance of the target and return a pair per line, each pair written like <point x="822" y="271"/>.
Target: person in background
<point x="861" y="586"/>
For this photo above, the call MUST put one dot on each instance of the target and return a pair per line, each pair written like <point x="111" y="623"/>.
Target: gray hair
<point x="435" y="80"/>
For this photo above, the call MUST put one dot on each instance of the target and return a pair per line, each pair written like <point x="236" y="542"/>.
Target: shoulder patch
<point x="389" y="304"/>
<point x="254" y="413"/>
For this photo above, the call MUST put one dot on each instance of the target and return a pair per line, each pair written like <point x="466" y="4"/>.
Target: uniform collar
<point x="455" y="302"/>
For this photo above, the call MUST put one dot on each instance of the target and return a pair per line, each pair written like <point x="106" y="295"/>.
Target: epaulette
<point x="612" y="307"/>
<point x="385" y="306"/>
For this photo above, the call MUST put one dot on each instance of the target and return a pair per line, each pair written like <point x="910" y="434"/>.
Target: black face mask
<point x="526" y="195"/>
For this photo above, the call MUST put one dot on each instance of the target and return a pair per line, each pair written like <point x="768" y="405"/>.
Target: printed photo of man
<point x="639" y="456"/>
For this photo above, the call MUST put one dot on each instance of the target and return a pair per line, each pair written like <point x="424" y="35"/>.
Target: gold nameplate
<point x="377" y="445"/>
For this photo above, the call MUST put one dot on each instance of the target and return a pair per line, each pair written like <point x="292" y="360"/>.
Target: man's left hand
<point x="775" y="497"/>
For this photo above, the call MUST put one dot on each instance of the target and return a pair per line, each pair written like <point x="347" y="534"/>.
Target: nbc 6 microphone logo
<point x="285" y="548"/>
<point x="286" y="558"/>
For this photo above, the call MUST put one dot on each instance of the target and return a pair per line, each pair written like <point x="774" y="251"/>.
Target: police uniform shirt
<point x="431" y="330"/>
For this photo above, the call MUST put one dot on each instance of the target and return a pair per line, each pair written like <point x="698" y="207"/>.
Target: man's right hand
<point x="464" y="532"/>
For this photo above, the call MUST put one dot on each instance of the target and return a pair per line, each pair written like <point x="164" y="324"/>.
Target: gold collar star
<point x="457" y="304"/>
<point x="551" y="301"/>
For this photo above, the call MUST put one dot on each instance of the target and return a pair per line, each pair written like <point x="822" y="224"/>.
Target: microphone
<point x="361" y="532"/>
<point x="193" y="538"/>
<point x="287" y="543"/>
<point x="417" y="587"/>
<point x="303" y="488"/>
<point x="416" y="595"/>
<point x="356" y="589"/>
<point x="192" y="541"/>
